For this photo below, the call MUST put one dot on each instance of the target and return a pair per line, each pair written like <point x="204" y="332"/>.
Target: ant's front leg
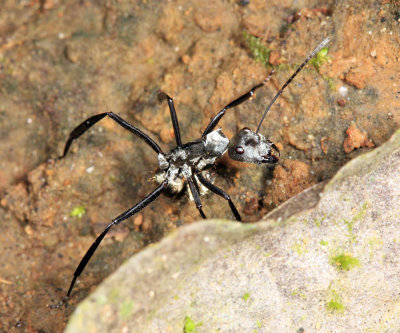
<point x="234" y="103"/>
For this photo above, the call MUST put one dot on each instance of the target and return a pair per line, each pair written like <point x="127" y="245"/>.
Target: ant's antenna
<point x="313" y="53"/>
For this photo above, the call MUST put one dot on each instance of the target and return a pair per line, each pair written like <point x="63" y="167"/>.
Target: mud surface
<point x="63" y="61"/>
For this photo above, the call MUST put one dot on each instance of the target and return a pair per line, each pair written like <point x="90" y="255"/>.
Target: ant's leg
<point x="196" y="197"/>
<point x="221" y="193"/>
<point x="138" y="207"/>
<point x="162" y="96"/>
<point x="236" y="102"/>
<point x="83" y="127"/>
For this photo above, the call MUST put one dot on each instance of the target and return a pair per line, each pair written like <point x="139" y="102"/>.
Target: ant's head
<point x="251" y="147"/>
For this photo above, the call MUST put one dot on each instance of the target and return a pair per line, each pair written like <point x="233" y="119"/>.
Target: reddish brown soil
<point x="62" y="61"/>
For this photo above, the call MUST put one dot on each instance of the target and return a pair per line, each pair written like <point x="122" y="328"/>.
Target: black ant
<point x="187" y="163"/>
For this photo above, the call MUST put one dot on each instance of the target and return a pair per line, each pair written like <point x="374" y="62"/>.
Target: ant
<point x="187" y="163"/>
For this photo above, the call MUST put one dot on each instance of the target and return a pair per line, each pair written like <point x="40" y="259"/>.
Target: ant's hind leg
<point x="135" y="209"/>
<point x="221" y="193"/>
<point x="196" y="197"/>
<point x="84" y="126"/>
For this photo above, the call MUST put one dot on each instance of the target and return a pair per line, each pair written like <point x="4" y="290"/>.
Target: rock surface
<point x="333" y="267"/>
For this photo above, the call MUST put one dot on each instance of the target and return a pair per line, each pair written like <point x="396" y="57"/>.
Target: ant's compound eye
<point x="239" y="150"/>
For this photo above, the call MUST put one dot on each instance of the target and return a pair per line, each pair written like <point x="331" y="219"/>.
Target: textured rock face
<point x="331" y="267"/>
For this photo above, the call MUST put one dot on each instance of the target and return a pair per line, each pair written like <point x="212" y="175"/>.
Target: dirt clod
<point x="356" y="139"/>
<point x="290" y="178"/>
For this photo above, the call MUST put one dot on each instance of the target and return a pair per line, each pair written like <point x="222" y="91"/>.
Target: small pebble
<point x="343" y="91"/>
<point x="28" y="230"/>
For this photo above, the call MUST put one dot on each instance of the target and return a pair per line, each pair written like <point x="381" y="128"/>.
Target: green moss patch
<point x="345" y="261"/>
<point x="320" y="58"/>
<point x="335" y="304"/>
<point x="190" y="326"/>
<point x="78" y="212"/>
<point x="126" y="309"/>
<point x="257" y="48"/>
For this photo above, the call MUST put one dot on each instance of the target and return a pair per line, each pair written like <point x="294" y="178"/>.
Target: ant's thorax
<point x="182" y="163"/>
